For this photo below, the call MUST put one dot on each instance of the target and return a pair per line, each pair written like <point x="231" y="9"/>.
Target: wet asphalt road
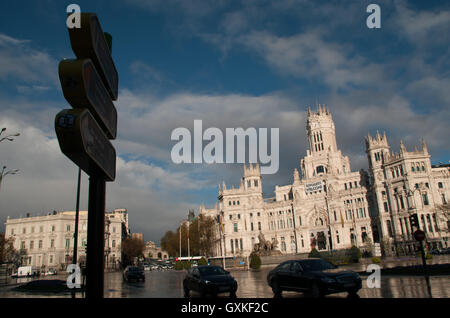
<point x="168" y="284"/>
<point x="253" y="285"/>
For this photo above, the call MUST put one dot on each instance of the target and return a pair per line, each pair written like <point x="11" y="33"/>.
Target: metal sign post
<point x="419" y="235"/>
<point x="96" y="227"/>
<point x="90" y="84"/>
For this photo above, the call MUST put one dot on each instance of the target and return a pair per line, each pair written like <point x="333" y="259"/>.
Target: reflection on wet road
<point x="254" y="285"/>
<point x="168" y="284"/>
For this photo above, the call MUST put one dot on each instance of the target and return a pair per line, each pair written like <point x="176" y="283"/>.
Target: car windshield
<point x="315" y="265"/>
<point x="211" y="270"/>
<point x="134" y="269"/>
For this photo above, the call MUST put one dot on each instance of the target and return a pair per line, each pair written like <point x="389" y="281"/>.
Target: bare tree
<point x="131" y="248"/>
<point x="8" y="254"/>
<point x="201" y="238"/>
<point x="445" y="210"/>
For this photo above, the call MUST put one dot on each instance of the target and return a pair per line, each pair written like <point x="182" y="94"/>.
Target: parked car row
<point x="30" y="271"/>
<point x="137" y="273"/>
<point x="443" y="251"/>
<point x="157" y="267"/>
<point x="313" y="277"/>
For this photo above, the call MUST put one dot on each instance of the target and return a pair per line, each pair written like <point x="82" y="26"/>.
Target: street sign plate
<point x="419" y="235"/>
<point x="83" y="141"/>
<point x="83" y="88"/>
<point x="89" y="42"/>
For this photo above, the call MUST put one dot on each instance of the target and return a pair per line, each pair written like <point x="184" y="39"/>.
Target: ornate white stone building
<point x="329" y="206"/>
<point x="47" y="241"/>
<point x="406" y="183"/>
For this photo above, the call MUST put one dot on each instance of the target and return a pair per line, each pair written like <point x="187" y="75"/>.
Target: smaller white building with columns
<point x="403" y="184"/>
<point x="46" y="241"/>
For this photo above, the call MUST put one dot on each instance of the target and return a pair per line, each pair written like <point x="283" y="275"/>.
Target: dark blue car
<point x="315" y="277"/>
<point x="133" y="273"/>
<point x="210" y="280"/>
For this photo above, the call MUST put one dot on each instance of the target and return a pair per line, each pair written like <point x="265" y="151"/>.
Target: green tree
<point x="255" y="261"/>
<point x="355" y="254"/>
<point x="178" y="265"/>
<point x="314" y="253"/>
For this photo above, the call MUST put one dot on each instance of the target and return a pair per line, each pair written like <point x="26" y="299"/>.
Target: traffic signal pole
<point x="419" y="235"/>
<point x="96" y="238"/>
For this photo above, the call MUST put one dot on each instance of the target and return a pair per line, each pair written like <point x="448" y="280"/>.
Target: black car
<point x="133" y="273"/>
<point x="315" y="277"/>
<point x="435" y="252"/>
<point x="210" y="280"/>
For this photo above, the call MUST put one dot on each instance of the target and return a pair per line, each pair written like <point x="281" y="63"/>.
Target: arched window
<point x="320" y="169"/>
<point x="389" y="228"/>
<point x="319" y="221"/>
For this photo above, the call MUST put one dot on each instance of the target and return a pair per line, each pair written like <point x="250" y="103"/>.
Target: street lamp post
<point x="77" y="212"/>
<point x="8" y="137"/>
<point x="295" y="228"/>
<point x="3" y="173"/>
<point x="330" y="241"/>
<point x="180" y="238"/>
<point x="189" y="251"/>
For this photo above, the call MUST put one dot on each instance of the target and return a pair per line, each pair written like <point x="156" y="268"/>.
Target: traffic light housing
<point x="414" y="220"/>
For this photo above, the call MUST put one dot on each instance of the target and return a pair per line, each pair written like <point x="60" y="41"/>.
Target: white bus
<point x="193" y="259"/>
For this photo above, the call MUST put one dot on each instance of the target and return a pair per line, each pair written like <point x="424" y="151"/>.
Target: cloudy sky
<point x="249" y="63"/>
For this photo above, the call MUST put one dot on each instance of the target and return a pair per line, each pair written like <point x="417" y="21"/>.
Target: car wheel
<point x="352" y="294"/>
<point x="186" y="292"/>
<point x="233" y="294"/>
<point x="276" y="288"/>
<point x="315" y="291"/>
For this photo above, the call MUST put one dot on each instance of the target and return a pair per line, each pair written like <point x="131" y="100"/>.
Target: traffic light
<point x="414" y="220"/>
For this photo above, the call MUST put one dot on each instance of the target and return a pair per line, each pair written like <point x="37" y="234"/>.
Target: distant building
<point x="191" y="215"/>
<point x="137" y="236"/>
<point x="152" y="251"/>
<point x="47" y="241"/>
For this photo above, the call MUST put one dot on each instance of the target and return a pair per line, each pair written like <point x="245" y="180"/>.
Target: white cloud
<point x="307" y="55"/>
<point x="19" y="61"/>
<point x="47" y="181"/>
<point x="418" y="25"/>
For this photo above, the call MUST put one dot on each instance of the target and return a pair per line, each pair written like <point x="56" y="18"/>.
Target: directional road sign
<point x="83" y="88"/>
<point x="89" y="42"/>
<point x="83" y="141"/>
